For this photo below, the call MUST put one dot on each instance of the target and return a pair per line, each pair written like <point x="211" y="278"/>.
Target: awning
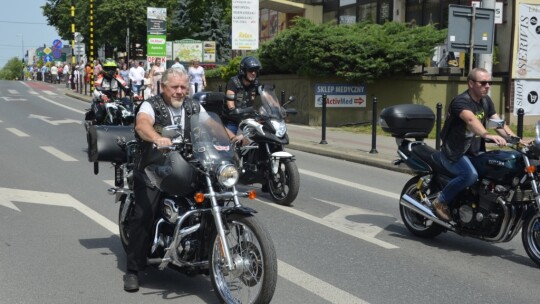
<point x="283" y="6"/>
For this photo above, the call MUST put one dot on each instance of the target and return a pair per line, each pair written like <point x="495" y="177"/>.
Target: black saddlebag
<point x="407" y="121"/>
<point x="104" y="143"/>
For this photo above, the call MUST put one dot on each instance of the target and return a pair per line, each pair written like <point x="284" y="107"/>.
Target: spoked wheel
<point x="416" y="223"/>
<point x="124" y="214"/>
<point x="254" y="277"/>
<point x="530" y="235"/>
<point x="284" y="185"/>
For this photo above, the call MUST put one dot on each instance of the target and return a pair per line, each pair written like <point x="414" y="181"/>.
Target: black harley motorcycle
<point x="503" y="201"/>
<point x="202" y="227"/>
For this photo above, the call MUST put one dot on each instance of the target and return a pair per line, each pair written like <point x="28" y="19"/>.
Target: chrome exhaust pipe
<point x="417" y="207"/>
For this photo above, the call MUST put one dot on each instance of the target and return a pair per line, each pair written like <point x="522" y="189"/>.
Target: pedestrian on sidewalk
<point x="197" y="81"/>
<point x="155" y="75"/>
<point x="54" y="74"/>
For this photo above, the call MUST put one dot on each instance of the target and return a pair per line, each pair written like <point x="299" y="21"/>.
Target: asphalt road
<point x="340" y="242"/>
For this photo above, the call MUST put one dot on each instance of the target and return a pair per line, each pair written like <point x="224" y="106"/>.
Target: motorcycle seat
<point x="437" y="163"/>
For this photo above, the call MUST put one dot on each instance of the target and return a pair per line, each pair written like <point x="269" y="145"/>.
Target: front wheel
<point x="530" y="235"/>
<point x="125" y="211"/>
<point x="254" y="277"/>
<point x="284" y="185"/>
<point x="416" y="223"/>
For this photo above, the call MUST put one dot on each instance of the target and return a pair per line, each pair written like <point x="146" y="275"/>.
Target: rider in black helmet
<point x="242" y="89"/>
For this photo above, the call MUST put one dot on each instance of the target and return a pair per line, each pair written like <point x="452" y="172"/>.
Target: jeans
<point x="465" y="175"/>
<point x="233" y="127"/>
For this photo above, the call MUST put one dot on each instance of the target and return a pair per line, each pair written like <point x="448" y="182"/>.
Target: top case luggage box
<point x="211" y="101"/>
<point x="407" y="121"/>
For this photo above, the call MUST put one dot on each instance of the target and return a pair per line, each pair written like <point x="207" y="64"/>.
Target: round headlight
<point x="280" y="127"/>
<point x="227" y="175"/>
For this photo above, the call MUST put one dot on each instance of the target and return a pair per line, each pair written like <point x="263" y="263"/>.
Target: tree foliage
<point x="113" y="18"/>
<point x="12" y="70"/>
<point x="359" y="52"/>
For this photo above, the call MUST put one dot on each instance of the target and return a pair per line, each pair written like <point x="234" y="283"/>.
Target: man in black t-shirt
<point x="463" y="133"/>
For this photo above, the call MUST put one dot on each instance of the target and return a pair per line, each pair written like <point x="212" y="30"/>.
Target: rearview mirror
<point x="171" y="131"/>
<point x="495" y="124"/>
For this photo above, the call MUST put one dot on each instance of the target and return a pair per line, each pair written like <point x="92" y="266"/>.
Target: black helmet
<point x="110" y="67"/>
<point x="249" y="63"/>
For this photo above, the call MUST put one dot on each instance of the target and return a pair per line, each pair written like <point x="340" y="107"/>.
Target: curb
<point x="352" y="156"/>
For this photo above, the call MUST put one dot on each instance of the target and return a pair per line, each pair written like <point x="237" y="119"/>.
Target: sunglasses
<point x="484" y="83"/>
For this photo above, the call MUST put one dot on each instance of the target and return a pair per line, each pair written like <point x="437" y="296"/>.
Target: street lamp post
<point x="22" y="55"/>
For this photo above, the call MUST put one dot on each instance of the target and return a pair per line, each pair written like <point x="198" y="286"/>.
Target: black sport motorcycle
<point x="504" y="200"/>
<point x="263" y="158"/>
<point x="202" y="227"/>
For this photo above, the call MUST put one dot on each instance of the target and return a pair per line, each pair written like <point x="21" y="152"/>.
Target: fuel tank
<point x="499" y="166"/>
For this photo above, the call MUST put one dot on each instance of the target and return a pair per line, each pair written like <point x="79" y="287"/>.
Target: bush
<point x="360" y="52"/>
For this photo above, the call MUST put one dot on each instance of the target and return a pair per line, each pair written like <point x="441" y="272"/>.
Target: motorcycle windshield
<point x="211" y="143"/>
<point x="270" y="105"/>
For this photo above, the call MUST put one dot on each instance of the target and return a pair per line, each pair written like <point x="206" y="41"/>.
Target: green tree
<point x="111" y="20"/>
<point x="214" y="28"/>
<point x="359" y="52"/>
<point x="12" y="70"/>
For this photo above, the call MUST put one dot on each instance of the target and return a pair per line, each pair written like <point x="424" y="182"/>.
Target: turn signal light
<point x="252" y="194"/>
<point x="530" y="169"/>
<point x="199" y="197"/>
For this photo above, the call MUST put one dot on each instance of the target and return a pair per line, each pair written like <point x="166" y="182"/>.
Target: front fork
<point x="216" y="212"/>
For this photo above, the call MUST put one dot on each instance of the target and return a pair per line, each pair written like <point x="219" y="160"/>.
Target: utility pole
<point x="72" y="32"/>
<point x="486" y="60"/>
<point x="91" y="43"/>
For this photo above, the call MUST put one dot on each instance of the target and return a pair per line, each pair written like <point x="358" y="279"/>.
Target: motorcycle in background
<point x="263" y="159"/>
<point x="115" y="112"/>
<point x="504" y="200"/>
<point x="201" y="226"/>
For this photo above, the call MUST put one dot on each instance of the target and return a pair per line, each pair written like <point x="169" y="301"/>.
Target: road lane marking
<point x="14" y="92"/>
<point x="316" y="286"/>
<point x="332" y="224"/>
<point x="351" y="184"/>
<point x="61" y="155"/>
<point x="50" y="93"/>
<point x="61" y="105"/>
<point x="17" y="132"/>
<point x="286" y="271"/>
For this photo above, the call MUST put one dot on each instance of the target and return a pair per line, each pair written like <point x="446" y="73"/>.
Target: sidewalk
<point x="339" y="144"/>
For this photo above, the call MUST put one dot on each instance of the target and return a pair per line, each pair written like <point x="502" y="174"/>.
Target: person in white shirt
<point x="177" y="64"/>
<point x="136" y="75"/>
<point x="197" y="81"/>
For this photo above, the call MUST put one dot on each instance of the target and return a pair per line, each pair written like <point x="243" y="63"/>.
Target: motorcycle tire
<point x="415" y="223"/>
<point x="124" y="214"/>
<point x="255" y="276"/>
<point x="285" y="184"/>
<point x="530" y="235"/>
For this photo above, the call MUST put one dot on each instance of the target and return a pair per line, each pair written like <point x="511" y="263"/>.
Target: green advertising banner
<point x="156" y="46"/>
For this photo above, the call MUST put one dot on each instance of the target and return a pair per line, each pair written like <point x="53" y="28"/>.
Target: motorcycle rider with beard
<point x="171" y="106"/>
<point x="241" y="91"/>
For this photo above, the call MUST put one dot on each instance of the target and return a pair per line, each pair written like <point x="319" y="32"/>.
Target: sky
<point x="23" y="26"/>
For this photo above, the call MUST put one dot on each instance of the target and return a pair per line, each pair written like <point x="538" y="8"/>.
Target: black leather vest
<point x="146" y="153"/>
